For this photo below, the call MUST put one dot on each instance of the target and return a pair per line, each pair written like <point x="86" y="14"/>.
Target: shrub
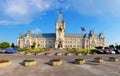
<point x="23" y="49"/>
<point x="55" y="59"/>
<point x="79" y="50"/>
<point x="112" y="57"/>
<point x="4" y="61"/>
<point x="28" y="60"/>
<point x="98" y="57"/>
<point x="80" y="59"/>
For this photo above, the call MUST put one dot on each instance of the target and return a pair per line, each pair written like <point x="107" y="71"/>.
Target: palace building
<point x="60" y="39"/>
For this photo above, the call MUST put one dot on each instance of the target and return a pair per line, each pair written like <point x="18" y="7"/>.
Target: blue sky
<point x="18" y="16"/>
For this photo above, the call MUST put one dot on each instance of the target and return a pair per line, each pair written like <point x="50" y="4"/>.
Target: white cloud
<point x="41" y="5"/>
<point x="22" y="11"/>
<point x="4" y="22"/>
<point x="16" y="9"/>
<point x="96" y="7"/>
<point x="7" y="22"/>
<point x="36" y="31"/>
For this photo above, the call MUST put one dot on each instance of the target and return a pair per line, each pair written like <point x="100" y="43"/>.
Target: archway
<point x="60" y="45"/>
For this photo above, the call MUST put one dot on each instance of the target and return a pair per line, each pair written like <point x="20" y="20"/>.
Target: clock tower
<point x="60" y="29"/>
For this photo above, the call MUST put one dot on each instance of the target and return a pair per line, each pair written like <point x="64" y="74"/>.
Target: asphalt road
<point x="42" y="68"/>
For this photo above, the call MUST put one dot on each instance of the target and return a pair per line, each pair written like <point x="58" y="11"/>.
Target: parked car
<point x="99" y="51"/>
<point x="10" y="51"/>
<point x="112" y="51"/>
<point x="117" y="51"/>
<point x="106" y="51"/>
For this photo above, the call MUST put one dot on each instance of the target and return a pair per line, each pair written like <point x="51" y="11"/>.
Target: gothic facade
<point x="60" y="39"/>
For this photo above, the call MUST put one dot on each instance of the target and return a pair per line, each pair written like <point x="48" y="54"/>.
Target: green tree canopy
<point x="33" y="45"/>
<point x="111" y="46"/>
<point x="99" y="47"/>
<point x="4" y="45"/>
<point x="117" y="47"/>
<point x="106" y="47"/>
<point x="12" y="45"/>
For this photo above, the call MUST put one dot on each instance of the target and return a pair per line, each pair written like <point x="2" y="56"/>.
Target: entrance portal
<point x="60" y="45"/>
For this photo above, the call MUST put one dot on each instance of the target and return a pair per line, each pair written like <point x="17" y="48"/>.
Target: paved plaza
<point x="107" y="68"/>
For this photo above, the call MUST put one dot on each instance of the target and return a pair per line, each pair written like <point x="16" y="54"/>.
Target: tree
<point x="13" y="45"/>
<point x="117" y="47"/>
<point x="106" y="47"/>
<point x="33" y="45"/>
<point x="4" y="45"/>
<point x="112" y="46"/>
<point x="38" y="45"/>
<point x="99" y="47"/>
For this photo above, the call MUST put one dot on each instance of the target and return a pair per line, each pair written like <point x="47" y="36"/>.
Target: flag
<point x="83" y="29"/>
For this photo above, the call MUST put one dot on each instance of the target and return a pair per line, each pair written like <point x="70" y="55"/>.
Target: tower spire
<point x="60" y="17"/>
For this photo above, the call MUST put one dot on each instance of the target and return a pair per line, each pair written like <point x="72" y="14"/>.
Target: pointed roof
<point x="60" y="18"/>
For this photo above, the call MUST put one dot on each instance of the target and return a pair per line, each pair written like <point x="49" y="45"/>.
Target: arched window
<point x="27" y="44"/>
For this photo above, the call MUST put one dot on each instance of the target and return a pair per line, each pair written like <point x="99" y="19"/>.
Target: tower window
<point x="60" y="29"/>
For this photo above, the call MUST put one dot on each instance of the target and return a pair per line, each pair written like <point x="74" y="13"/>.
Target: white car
<point x="112" y="51"/>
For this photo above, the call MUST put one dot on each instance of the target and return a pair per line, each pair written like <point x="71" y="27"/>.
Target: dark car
<point x="99" y="51"/>
<point x="117" y="51"/>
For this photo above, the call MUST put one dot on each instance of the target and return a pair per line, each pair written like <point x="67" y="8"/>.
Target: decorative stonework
<point x="5" y="63"/>
<point x="95" y="54"/>
<point x="87" y="54"/>
<point x="29" y="62"/>
<point x="78" y="54"/>
<point x="37" y="54"/>
<point x="79" y="61"/>
<point x="68" y="54"/>
<point x="48" y="54"/>
<point x="55" y="62"/>
<point x="98" y="59"/>
<point x="21" y="52"/>
<point x="58" y="54"/>
<point x="27" y="53"/>
<point x="113" y="59"/>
